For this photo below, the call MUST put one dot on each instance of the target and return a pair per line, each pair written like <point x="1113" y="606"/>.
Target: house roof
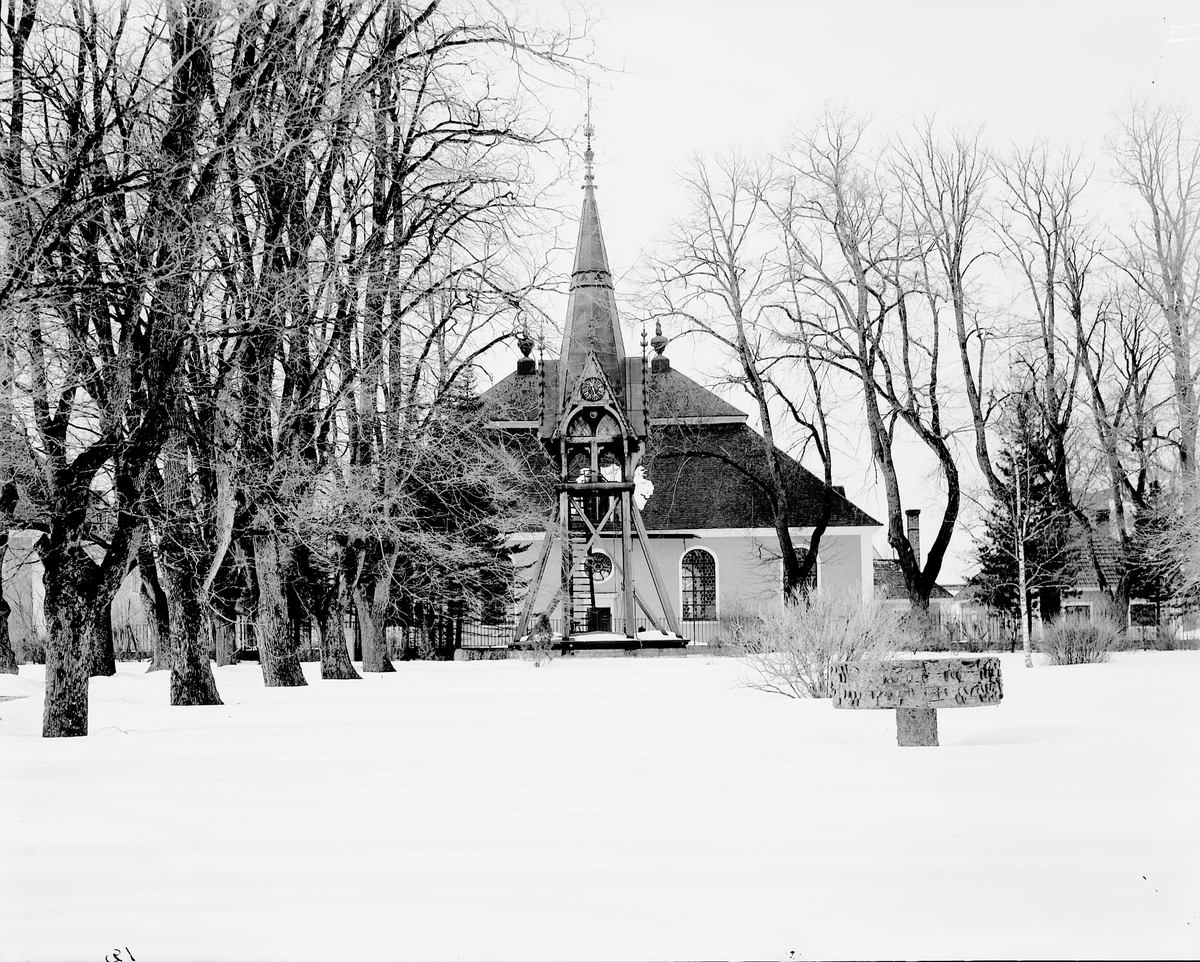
<point x="1108" y="552"/>
<point x="889" y="582"/>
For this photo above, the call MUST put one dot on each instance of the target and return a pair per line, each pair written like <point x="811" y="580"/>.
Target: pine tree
<point x="1025" y="551"/>
<point x="1163" y="561"/>
<point x="467" y="497"/>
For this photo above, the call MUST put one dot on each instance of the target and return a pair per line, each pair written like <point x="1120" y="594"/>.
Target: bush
<point x="541" y="640"/>
<point x="924" y="631"/>
<point x="792" y="650"/>
<point x="29" y="648"/>
<point x="1076" y="642"/>
<point x="1164" y="638"/>
<point x="735" y="618"/>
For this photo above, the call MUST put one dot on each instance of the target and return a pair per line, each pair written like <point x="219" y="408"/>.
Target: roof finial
<point x="660" y="362"/>
<point x="588" y="130"/>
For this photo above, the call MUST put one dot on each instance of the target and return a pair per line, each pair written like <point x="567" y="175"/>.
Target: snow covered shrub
<point x="27" y="639"/>
<point x="541" y="639"/>
<point x="1073" y="641"/>
<point x="791" y="649"/>
<point x="1168" y="638"/>
<point x="923" y="631"/>
<point x="737" y="616"/>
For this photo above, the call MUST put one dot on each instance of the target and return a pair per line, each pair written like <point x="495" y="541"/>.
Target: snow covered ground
<point x="602" y="808"/>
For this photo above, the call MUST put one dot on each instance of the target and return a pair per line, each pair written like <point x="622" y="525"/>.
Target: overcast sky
<point x="702" y="76"/>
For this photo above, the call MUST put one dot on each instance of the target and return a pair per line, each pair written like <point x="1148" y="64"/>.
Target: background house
<point x="890" y="588"/>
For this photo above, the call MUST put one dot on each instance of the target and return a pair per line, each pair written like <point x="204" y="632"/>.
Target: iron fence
<point x="476" y="634"/>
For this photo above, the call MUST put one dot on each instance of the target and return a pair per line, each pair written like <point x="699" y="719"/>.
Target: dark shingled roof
<point x="889" y="582"/>
<point x="1083" y="571"/>
<point x="706" y="475"/>
<point x="674" y="396"/>
<point x="516" y="397"/>
<point x="715" y="476"/>
<point x="670" y="394"/>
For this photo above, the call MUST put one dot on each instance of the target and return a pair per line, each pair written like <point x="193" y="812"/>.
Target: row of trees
<point x="251" y="253"/>
<point x="979" y="303"/>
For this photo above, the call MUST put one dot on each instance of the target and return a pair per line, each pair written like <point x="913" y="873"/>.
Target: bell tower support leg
<point x="659" y="585"/>
<point x="568" y="564"/>
<point x="630" y="612"/>
<point x="539" y="574"/>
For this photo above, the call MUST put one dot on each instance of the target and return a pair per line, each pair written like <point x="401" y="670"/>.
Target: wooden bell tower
<point x="594" y="425"/>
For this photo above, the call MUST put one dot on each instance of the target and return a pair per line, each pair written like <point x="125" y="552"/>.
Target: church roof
<point x="707" y="465"/>
<point x="715" y="476"/>
<point x="675" y="397"/>
<point x="672" y="397"/>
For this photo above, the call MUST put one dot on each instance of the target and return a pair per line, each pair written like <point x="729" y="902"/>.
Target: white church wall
<point x="746" y="562"/>
<point x="840" y="563"/>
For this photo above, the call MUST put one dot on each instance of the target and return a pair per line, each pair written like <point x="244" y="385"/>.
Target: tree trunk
<point x="154" y="600"/>
<point x="192" y="681"/>
<point x="8" y="427"/>
<point x="335" y="659"/>
<point x="371" y="603"/>
<point x="1023" y="601"/>
<point x="102" y="656"/>
<point x="224" y="627"/>
<point x="372" y="630"/>
<point x="1182" y="378"/>
<point x="68" y="619"/>
<point x="8" y="657"/>
<point x="277" y="649"/>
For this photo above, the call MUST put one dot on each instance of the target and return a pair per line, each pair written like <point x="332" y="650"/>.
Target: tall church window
<point x="699" y="586"/>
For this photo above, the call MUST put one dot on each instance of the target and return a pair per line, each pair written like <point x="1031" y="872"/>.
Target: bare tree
<point x="8" y="499"/>
<point x="371" y="210"/>
<point x="945" y="178"/>
<point x="1043" y="232"/>
<point x="1157" y="152"/>
<point x="95" y="292"/>
<point x="857" y="251"/>
<point x="716" y="276"/>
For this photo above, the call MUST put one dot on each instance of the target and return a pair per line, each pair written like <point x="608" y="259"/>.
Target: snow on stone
<point x="602" y="808"/>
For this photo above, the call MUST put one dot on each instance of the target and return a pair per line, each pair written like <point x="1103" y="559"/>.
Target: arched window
<point x="699" y="586"/>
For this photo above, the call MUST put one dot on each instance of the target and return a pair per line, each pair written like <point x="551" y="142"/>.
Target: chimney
<point x="913" y="517"/>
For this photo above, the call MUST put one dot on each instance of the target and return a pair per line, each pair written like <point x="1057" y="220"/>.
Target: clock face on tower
<point x="592" y="389"/>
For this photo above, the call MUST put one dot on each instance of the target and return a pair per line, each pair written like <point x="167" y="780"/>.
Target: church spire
<point x="588" y="155"/>
<point x="592" y="326"/>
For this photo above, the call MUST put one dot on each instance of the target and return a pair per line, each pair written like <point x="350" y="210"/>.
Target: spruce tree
<point x="1025" y="553"/>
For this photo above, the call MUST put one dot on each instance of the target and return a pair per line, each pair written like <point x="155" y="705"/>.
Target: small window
<point x="599" y="566"/>
<point x="699" y="586"/>
<point x="1142" y="615"/>
<point x="1077" y="612"/>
